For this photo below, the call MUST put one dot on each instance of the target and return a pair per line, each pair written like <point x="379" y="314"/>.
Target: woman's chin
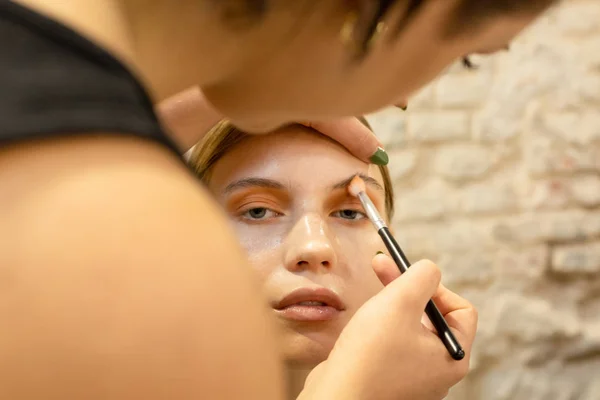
<point x="257" y="126"/>
<point x="307" y="351"/>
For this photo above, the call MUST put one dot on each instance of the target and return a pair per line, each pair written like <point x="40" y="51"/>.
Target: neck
<point x="296" y="377"/>
<point x="152" y="38"/>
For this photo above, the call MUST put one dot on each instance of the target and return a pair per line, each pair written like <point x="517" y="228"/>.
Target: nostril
<point x="304" y="263"/>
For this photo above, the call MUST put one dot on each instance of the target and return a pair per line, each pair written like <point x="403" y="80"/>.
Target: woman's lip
<point x="303" y="295"/>
<point x="304" y="313"/>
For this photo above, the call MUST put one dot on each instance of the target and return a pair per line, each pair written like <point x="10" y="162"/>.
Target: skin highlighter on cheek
<point x="357" y="188"/>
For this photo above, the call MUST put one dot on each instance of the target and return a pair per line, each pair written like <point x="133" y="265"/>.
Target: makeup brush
<point x="357" y="189"/>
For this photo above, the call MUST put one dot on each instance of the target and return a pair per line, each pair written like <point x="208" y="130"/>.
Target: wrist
<point x="188" y="116"/>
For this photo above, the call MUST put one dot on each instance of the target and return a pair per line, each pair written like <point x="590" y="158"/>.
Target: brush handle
<point x="434" y="314"/>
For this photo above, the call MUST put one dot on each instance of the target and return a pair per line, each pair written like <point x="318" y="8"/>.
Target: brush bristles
<point x="356" y="186"/>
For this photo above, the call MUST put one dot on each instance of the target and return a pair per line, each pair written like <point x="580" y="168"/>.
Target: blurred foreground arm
<point x="120" y="280"/>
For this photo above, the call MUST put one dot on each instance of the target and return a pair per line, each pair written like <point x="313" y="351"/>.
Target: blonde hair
<point x="223" y="137"/>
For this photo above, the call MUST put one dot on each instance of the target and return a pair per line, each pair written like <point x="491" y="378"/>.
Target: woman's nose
<point x="310" y="246"/>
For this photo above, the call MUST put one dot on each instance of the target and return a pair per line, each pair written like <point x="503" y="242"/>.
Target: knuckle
<point x="463" y="370"/>
<point x="474" y="313"/>
<point x="432" y="269"/>
<point x="460" y="371"/>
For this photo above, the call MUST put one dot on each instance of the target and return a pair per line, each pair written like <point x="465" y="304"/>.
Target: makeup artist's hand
<point x="385" y="352"/>
<point x="188" y="116"/>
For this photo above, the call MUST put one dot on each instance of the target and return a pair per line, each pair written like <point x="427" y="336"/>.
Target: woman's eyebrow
<point x="253" y="182"/>
<point x="370" y="181"/>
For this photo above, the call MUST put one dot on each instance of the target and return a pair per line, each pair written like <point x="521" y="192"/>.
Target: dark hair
<point x="468" y="13"/>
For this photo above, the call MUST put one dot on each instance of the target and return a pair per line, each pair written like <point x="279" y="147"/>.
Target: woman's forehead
<point x="294" y="154"/>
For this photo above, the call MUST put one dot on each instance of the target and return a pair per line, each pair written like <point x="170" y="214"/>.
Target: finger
<point x="427" y="323"/>
<point x="447" y="301"/>
<point x="355" y="137"/>
<point x="314" y="374"/>
<point x="458" y="312"/>
<point x="414" y="288"/>
<point x="385" y="268"/>
<point x="187" y="116"/>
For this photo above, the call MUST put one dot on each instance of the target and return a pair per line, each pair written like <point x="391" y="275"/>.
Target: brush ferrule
<point x="371" y="211"/>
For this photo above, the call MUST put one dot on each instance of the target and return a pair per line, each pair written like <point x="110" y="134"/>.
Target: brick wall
<point x="497" y="179"/>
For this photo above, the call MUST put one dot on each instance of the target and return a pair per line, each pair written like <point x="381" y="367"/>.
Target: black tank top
<point x="55" y="82"/>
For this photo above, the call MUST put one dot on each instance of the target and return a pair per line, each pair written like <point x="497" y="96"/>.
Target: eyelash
<point x="467" y="63"/>
<point x="359" y="213"/>
<point x="244" y="214"/>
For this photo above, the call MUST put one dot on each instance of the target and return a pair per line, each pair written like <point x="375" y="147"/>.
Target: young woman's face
<point x="286" y="197"/>
<point x="302" y="71"/>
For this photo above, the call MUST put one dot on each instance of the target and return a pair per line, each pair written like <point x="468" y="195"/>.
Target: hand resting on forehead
<point x="188" y="116"/>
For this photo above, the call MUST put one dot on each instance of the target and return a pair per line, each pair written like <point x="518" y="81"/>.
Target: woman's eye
<point x="349" y="214"/>
<point x="259" y="213"/>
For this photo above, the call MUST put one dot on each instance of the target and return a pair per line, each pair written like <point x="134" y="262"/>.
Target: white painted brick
<point x="472" y="267"/>
<point x="576" y="258"/>
<point x="430" y="201"/>
<point x="487" y="198"/>
<point x="402" y="163"/>
<point x="416" y="239"/>
<point x="581" y="128"/>
<point x="467" y="89"/>
<point x="578" y="18"/>
<point x="463" y="162"/>
<point x="592" y="391"/>
<point x="586" y="190"/>
<point x="553" y="193"/>
<point x="589" y="54"/>
<point x="497" y="121"/>
<point x="461" y="235"/>
<point x="439" y="126"/>
<point x="581" y="90"/>
<point x="556" y="226"/>
<point x="423" y="99"/>
<point x="544" y="156"/>
<point x="389" y="126"/>
<point x="521" y="265"/>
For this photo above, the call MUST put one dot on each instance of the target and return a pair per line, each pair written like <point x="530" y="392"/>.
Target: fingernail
<point x="379" y="252"/>
<point x="404" y="108"/>
<point x="380" y="157"/>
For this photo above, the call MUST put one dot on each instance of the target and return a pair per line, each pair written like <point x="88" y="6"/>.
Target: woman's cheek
<point x="262" y="244"/>
<point x="256" y="238"/>
<point x="359" y="243"/>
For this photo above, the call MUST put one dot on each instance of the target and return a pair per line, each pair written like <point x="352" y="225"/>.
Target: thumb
<point x="414" y="288"/>
<point x="355" y="137"/>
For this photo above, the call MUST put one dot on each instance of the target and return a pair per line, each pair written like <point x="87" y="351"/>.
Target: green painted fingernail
<point x="379" y="252"/>
<point x="404" y="108"/>
<point x="380" y="157"/>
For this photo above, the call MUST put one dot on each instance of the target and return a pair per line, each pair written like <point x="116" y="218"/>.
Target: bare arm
<point x="119" y="280"/>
